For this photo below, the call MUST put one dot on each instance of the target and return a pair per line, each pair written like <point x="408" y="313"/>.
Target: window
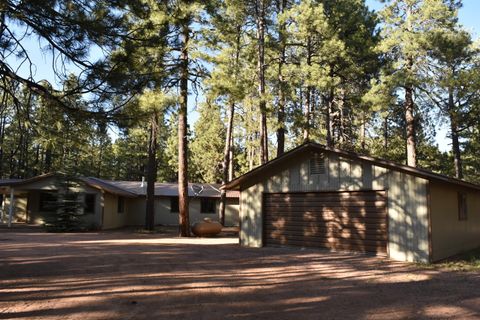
<point x="174" y="205"/>
<point x="317" y="164"/>
<point x="208" y="205"/>
<point x="462" y="206"/>
<point x="48" y="202"/>
<point x="89" y="205"/>
<point x="121" y="205"/>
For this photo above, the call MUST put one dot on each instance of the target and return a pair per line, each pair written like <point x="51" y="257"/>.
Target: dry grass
<point x="467" y="262"/>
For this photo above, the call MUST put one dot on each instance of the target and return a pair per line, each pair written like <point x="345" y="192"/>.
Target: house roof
<point x="315" y="147"/>
<point x="107" y="187"/>
<point x="21" y="182"/>
<point x="4" y="182"/>
<point x="171" y="189"/>
<point x="130" y="188"/>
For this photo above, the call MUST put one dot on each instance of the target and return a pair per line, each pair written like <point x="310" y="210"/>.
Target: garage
<point x="341" y="220"/>
<point x="318" y="196"/>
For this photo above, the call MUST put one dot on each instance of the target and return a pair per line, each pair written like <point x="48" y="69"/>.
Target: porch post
<point x="10" y="214"/>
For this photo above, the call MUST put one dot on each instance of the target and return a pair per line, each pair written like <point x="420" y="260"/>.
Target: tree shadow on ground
<point x="97" y="276"/>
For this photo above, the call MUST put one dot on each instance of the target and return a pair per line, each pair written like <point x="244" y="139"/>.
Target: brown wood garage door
<point x="352" y="221"/>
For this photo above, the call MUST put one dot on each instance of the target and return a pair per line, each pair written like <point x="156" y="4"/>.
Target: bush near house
<point x="67" y="208"/>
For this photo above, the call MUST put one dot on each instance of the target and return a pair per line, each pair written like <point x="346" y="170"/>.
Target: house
<point x="315" y="196"/>
<point x="111" y="204"/>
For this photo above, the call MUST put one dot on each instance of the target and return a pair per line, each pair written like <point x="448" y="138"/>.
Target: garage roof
<point x="316" y="147"/>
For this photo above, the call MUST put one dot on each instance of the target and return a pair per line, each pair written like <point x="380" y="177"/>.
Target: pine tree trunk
<point x="341" y="127"/>
<point x="410" y="128"/>
<point x="341" y="119"/>
<point x="182" y="139"/>
<point x="363" y="132"/>
<point x="457" y="158"/>
<point x="329" y="122"/>
<point x="261" y="81"/>
<point x="2" y="139"/>
<point x="281" y="83"/>
<point x="100" y="159"/>
<point x="11" y="166"/>
<point x="306" y="115"/>
<point x="308" y="98"/>
<point x="409" y="104"/>
<point x="151" y="174"/>
<point x="226" y="163"/>
<point x="281" y="124"/>
<point x="385" y="134"/>
<point x="37" y="160"/>
<point x="251" y="155"/>
<point x="456" y="150"/>
<point x="230" y="160"/>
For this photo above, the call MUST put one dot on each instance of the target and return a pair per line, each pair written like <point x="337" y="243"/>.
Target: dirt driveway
<point x="122" y="275"/>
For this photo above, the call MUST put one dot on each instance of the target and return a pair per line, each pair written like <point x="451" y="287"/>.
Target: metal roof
<point x="102" y="185"/>
<point x="131" y="188"/>
<point x="171" y="189"/>
<point x="7" y="182"/>
<point x="311" y="146"/>
<point x="19" y="182"/>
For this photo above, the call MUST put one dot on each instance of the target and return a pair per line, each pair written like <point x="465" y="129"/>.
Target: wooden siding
<point x="348" y="220"/>
<point x="163" y="215"/>
<point x="28" y="203"/>
<point x="406" y="205"/>
<point x="111" y="217"/>
<point x="251" y="216"/>
<point x="450" y="235"/>
<point x="408" y="217"/>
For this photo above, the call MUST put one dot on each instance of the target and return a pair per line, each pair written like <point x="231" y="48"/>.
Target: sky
<point x="468" y="17"/>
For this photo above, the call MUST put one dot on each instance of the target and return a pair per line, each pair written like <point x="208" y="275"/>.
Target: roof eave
<point x="236" y="183"/>
<point x="116" y="190"/>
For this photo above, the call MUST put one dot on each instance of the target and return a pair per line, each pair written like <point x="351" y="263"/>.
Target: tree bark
<point x="457" y="158"/>
<point x="410" y="128"/>
<point x="342" y="134"/>
<point x="306" y="114"/>
<point x="261" y="80"/>
<point x="363" y="129"/>
<point x="308" y="98"/>
<point x="409" y="104"/>
<point x="385" y="134"/>
<point x="37" y="160"/>
<point x="48" y="160"/>
<point x="184" y="223"/>
<point x="281" y="83"/>
<point x="151" y="174"/>
<point x="2" y="138"/>
<point x="230" y="160"/>
<point x="251" y="154"/>
<point x="226" y="163"/>
<point x="328" y="121"/>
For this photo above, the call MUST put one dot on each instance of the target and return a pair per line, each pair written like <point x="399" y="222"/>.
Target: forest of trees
<point x="263" y="76"/>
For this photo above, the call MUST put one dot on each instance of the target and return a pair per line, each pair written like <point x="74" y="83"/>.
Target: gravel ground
<point x="126" y="275"/>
